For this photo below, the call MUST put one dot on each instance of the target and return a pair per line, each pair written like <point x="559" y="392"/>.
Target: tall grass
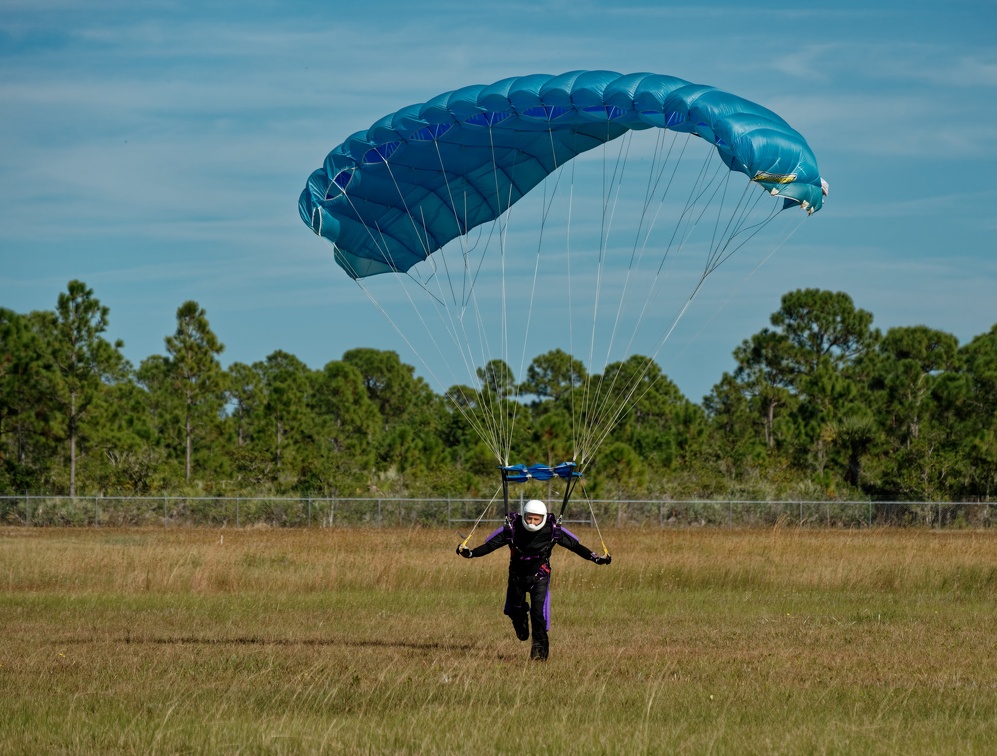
<point x="297" y="641"/>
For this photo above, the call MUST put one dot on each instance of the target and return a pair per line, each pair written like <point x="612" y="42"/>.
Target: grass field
<point x="298" y="641"/>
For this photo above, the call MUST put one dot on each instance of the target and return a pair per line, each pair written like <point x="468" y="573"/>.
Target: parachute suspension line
<point x="377" y="240"/>
<point x="461" y="226"/>
<point x="608" y="208"/>
<point x="719" y="254"/>
<point x="482" y="425"/>
<point x="640" y="247"/>
<point x="734" y="222"/>
<point x="457" y="328"/>
<point x="498" y="425"/>
<point x="546" y="208"/>
<point x="751" y="273"/>
<point x="382" y="246"/>
<point x="423" y="235"/>
<point x="664" y="338"/>
<point x="480" y="403"/>
<point x="474" y="421"/>
<point x="610" y="412"/>
<point x="743" y="227"/>
<point x="667" y="189"/>
<point x="483" y="401"/>
<point x="575" y="410"/>
<point x="485" y="419"/>
<point x="607" y="410"/>
<point x="507" y="421"/>
<point x="373" y="300"/>
<point x="604" y="415"/>
<point x="595" y="521"/>
<point x="491" y="404"/>
<point x="506" y="350"/>
<point x="654" y="177"/>
<point x="621" y="162"/>
<point x="503" y="234"/>
<point x="696" y="192"/>
<point x="385" y="249"/>
<point x="377" y="305"/>
<point x="631" y="390"/>
<point x="534" y="284"/>
<point x="601" y="254"/>
<point x="502" y="490"/>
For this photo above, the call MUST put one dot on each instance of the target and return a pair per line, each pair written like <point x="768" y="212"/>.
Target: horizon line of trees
<point x="818" y="405"/>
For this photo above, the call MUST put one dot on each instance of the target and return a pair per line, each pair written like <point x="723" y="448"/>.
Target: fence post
<point x="96" y="513"/>
<point x="309" y="511"/>
<point x="27" y="510"/>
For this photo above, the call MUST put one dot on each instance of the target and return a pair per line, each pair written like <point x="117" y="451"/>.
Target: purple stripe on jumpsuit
<point x="547" y="608"/>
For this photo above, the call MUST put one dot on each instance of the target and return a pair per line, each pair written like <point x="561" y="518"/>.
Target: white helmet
<point x="534" y="507"/>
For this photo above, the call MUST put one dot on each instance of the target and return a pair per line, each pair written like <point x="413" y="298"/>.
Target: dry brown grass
<point x="777" y="641"/>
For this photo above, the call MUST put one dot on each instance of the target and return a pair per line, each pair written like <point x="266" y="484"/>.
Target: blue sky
<point x="156" y="151"/>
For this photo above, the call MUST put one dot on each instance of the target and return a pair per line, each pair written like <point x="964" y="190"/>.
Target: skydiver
<point x="531" y="538"/>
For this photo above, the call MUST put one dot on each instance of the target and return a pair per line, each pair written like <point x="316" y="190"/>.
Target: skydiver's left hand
<point x="463" y="551"/>
<point x="602" y="559"/>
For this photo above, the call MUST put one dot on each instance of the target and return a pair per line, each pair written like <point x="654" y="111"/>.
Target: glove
<point x="463" y="551"/>
<point x="602" y="559"/>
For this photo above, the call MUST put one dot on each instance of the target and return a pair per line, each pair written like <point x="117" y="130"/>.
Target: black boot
<point x="539" y="651"/>
<point x="521" y="623"/>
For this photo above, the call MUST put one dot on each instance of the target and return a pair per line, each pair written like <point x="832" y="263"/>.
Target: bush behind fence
<point x="181" y="511"/>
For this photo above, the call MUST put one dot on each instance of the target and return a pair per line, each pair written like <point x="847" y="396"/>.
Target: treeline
<point x="819" y="405"/>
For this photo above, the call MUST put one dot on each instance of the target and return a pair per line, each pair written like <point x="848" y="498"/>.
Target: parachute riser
<point x="568" y="489"/>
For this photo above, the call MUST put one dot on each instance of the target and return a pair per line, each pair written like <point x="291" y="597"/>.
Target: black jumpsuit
<point x="529" y="573"/>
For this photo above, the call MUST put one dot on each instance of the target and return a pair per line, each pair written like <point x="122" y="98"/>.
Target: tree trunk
<point x="770" y="425"/>
<point x="280" y="436"/>
<point x="72" y="443"/>
<point x="190" y="445"/>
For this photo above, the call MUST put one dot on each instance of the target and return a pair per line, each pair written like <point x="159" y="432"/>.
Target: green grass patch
<point x="302" y="641"/>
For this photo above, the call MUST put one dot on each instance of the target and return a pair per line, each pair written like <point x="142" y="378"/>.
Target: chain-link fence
<point x="274" y="511"/>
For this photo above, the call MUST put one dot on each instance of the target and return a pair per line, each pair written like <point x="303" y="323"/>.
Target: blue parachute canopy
<point x="390" y="196"/>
